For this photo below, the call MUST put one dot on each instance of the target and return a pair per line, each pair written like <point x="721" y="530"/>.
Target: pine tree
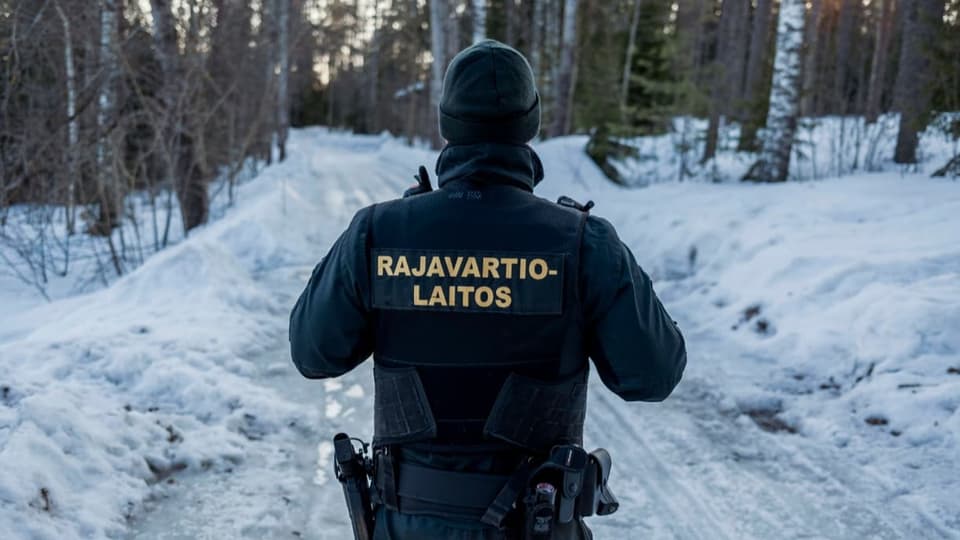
<point x="880" y="61"/>
<point x="728" y="70"/>
<point x="755" y="89"/>
<point x="922" y="20"/>
<point x="653" y="83"/>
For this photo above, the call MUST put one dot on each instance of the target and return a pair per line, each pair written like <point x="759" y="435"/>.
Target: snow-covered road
<point x="764" y="438"/>
<point x="694" y="467"/>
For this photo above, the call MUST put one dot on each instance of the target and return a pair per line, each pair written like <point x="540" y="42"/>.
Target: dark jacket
<point x="635" y="346"/>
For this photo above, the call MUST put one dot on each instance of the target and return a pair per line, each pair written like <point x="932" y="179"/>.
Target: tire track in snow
<point x="661" y="501"/>
<point x="710" y="473"/>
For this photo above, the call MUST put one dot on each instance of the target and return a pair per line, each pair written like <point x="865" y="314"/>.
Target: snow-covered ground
<point x="821" y="400"/>
<point x="825" y="147"/>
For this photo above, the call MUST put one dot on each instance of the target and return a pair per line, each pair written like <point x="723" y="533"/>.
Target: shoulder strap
<point x="570" y="203"/>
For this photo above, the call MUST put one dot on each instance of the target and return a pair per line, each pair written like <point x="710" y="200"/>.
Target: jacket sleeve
<point x="636" y="347"/>
<point x="330" y="325"/>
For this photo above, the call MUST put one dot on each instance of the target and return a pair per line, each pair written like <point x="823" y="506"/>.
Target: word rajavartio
<point x="460" y="266"/>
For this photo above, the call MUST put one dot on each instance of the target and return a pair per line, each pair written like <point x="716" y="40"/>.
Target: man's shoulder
<point x="596" y="229"/>
<point x="361" y="218"/>
<point x="601" y="246"/>
<point x="601" y="228"/>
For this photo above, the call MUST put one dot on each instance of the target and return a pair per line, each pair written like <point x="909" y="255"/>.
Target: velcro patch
<point x="483" y="282"/>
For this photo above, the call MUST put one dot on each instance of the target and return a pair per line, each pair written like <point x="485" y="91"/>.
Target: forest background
<point x="124" y="124"/>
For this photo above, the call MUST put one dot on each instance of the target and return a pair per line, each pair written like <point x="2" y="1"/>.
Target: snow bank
<point x="104" y="394"/>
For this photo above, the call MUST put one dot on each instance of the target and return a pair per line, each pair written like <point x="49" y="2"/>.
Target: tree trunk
<point x="107" y="188"/>
<point x="756" y="68"/>
<point x="180" y="162"/>
<point x="453" y="36"/>
<point x="106" y="100"/>
<point x="438" y="47"/>
<point x="628" y="61"/>
<point x="690" y="35"/>
<point x="373" y="97"/>
<point x="879" y="62"/>
<point x="912" y="94"/>
<point x="843" y="63"/>
<point x="536" y="39"/>
<point x="736" y="49"/>
<point x="566" y="77"/>
<point x="73" y="124"/>
<point x="479" y="20"/>
<point x="727" y="82"/>
<point x="510" y="14"/>
<point x="811" y="58"/>
<point x="283" y="77"/>
<point x="774" y="162"/>
<point x="552" y="50"/>
<point x="267" y="42"/>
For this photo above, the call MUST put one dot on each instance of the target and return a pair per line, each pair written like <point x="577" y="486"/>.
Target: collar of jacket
<point x="494" y="163"/>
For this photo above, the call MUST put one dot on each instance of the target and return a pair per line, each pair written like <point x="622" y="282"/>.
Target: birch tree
<point x="373" y="90"/>
<point x="563" y="102"/>
<point x="73" y="123"/>
<point x="777" y="140"/>
<point x="479" y="20"/>
<point x="106" y="106"/>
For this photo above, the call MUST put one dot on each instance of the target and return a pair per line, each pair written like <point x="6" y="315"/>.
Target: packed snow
<point x="821" y="399"/>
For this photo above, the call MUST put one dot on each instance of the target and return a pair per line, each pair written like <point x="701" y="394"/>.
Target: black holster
<point x="580" y="482"/>
<point x="353" y="469"/>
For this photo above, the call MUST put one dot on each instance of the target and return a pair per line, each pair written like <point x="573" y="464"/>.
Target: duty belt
<point x="580" y="481"/>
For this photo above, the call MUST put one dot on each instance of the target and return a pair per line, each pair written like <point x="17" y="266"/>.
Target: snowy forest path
<point x="284" y="486"/>
<point x="693" y="467"/>
<point x="283" y="478"/>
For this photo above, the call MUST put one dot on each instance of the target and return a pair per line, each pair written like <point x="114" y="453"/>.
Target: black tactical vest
<point x="479" y="331"/>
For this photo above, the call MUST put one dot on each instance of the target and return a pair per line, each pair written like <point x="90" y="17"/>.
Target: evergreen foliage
<point x="654" y="86"/>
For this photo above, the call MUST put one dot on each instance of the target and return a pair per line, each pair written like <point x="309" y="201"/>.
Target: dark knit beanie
<point x="489" y="95"/>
